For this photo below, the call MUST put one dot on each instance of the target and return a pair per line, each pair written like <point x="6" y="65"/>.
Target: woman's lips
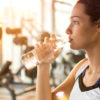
<point x="70" y="39"/>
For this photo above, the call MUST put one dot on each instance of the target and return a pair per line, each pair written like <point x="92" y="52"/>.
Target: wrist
<point x="44" y="67"/>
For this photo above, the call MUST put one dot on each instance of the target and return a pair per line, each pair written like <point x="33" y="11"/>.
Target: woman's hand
<point x="47" y="51"/>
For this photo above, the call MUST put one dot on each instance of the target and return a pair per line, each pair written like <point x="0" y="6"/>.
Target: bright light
<point x="3" y="4"/>
<point x="26" y="4"/>
<point x="61" y="96"/>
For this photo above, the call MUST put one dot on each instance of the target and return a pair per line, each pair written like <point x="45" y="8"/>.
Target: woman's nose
<point x="68" y="30"/>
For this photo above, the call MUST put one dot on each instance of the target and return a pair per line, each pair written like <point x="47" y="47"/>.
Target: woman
<point x="84" y="33"/>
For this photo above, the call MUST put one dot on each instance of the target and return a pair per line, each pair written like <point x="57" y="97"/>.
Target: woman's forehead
<point x="79" y="11"/>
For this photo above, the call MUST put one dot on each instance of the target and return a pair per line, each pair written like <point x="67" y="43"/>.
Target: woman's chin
<point x="74" y="47"/>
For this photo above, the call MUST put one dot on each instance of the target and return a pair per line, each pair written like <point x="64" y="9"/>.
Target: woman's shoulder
<point x="78" y="68"/>
<point x="81" y="66"/>
<point x="84" y="60"/>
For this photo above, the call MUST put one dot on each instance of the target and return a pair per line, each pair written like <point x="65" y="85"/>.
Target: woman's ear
<point x="98" y="26"/>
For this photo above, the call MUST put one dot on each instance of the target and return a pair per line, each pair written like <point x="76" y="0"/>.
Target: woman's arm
<point x="43" y="90"/>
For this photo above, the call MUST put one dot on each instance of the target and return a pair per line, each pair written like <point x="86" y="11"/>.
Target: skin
<point x="83" y="34"/>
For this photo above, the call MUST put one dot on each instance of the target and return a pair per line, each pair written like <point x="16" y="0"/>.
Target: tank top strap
<point x="81" y="69"/>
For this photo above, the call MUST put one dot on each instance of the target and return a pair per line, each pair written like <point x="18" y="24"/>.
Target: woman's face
<point x="82" y="32"/>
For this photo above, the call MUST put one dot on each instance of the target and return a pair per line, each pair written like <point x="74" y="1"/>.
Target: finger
<point x="57" y="52"/>
<point x="40" y="43"/>
<point x="37" y="48"/>
<point x="37" y="45"/>
<point x="53" y="37"/>
<point x="54" y="55"/>
<point x="46" y="39"/>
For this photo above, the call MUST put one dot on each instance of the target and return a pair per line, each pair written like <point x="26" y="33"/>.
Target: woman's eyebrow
<point x="74" y="17"/>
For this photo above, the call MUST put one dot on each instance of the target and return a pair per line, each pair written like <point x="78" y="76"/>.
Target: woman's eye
<point x="75" y="22"/>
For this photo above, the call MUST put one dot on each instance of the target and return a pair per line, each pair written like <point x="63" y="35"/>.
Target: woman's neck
<point x="94" y="59"/>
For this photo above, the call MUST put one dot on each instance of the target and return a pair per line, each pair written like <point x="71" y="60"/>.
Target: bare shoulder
<point x="68" y="83"/>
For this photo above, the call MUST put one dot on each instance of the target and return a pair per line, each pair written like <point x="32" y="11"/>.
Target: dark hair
<point x="92" y="8"/>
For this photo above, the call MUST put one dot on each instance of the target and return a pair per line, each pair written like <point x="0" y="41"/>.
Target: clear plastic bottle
<point x="29" y="59"/>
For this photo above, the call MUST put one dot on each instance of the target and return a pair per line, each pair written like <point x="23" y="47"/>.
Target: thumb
<point x="57" y="52"/>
